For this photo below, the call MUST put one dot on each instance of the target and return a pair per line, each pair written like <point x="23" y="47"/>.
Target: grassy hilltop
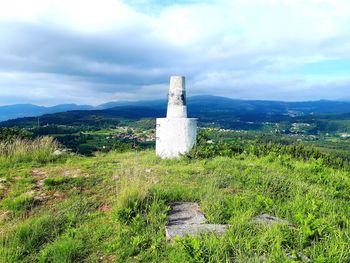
<point x="113" y="207"/>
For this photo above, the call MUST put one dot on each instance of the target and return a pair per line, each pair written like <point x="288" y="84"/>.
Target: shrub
<point x="11" y="134"/>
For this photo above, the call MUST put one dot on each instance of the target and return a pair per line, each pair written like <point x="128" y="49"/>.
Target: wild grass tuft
<point x="66" y="249"/>
<point x="23" y="150"/>
<point x="20" y="203"/>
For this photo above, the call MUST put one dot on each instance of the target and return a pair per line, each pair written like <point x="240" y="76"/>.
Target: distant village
<point x="131" y="134"/>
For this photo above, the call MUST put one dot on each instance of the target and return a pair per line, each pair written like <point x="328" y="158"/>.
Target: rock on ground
<point x="186" y="218"/>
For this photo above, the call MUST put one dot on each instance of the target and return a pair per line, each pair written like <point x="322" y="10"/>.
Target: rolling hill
<point x="225" y="112"/>
<point x="114" y="207"/>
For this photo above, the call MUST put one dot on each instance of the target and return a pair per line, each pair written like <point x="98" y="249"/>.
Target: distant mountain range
<point x="30" y="110"/>
<point x="207" y="108"/>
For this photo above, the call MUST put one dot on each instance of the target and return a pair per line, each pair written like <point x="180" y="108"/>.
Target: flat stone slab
<point x="186" y="218"/>
<point x="185" y="213"/>
<point x="193" y="230"/>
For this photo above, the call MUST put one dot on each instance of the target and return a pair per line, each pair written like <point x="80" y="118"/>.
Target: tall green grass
<point x="24" y="150"/>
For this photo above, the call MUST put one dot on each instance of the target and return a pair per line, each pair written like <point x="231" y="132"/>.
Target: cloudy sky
<point x="93" y="51"/>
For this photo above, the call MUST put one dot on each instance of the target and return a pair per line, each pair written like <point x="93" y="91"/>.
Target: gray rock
<point x="187" y="219"/>
<point x="185" y="213"/>
<point x="193" y="230"/>
<point x="57" y="152"/>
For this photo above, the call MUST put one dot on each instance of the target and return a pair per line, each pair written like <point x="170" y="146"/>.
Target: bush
<point x="11" y="134"/>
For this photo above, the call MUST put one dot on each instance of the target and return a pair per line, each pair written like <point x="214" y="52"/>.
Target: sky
<point x="95" y="51"/>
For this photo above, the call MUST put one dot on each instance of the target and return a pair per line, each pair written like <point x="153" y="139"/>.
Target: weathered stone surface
<point x="187" y="219"/>
<point x="185" y="214"/>
<point x="193" y="230"/>
<point x="269" y="220"/>
<point x="177" y="98"/>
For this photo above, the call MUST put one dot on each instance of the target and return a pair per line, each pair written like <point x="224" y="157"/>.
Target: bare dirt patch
<point x="107" y="259"/>
<point x="104" y="208"/>
<point x="40" y="177"/>
<point x="4" y="189"/>
<point x="4" y="215"/>
<point x="69" y="172"/>
<point x="40" y="195"/>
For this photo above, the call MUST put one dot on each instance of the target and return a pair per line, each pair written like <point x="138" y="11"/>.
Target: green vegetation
<point x="88" y="140"/>
<point x="212" y="142"/>
<point x="112" y="207"/>
<point x="10" y="134"/>
<point x="24" y="150"/>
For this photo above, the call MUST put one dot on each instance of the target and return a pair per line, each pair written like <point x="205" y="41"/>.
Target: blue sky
<point x="90" y="52"/>
<point x="337" y="68"/>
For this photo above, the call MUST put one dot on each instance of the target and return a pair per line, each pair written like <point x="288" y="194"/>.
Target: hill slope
<point x="113" y="208"/>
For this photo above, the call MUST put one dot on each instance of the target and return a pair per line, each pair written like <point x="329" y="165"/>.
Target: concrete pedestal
<point x="175" y="136"/>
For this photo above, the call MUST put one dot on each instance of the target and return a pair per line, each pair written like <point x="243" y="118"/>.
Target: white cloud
<point x="247" y="48"/>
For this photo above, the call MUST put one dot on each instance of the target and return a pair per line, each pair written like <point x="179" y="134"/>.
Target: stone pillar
<point x="176" y="134"/>
<point x="177" y="98"/>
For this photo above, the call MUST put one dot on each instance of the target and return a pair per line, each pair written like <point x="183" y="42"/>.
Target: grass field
<point x="113" y="207"/>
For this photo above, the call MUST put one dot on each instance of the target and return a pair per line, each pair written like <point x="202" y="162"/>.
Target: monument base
<point x="175" y="136"/>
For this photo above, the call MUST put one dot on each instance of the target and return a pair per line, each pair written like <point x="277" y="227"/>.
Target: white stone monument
<point x="176" y="134"/>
